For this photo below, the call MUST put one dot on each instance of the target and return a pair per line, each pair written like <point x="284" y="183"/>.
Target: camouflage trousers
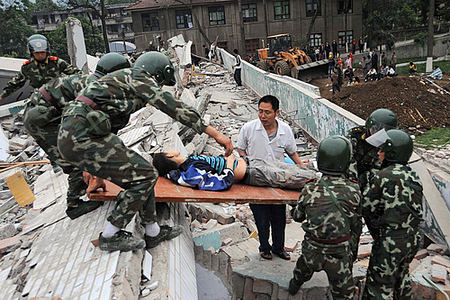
<point x="335" y="260"/>
<point x="389" y="266"/>
<point x="46" y="137"/>
<point x="107" y="157"/>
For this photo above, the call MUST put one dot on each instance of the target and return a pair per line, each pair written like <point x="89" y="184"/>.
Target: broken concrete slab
<point x="7" y="231"/>
<point x="216" y="236"/>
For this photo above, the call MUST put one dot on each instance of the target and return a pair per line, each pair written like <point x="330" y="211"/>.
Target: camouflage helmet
<point x="333" y="155"/>
<point x="398" y="147"/>
<point x="111" y="62"/>
<point x="379" y="119"/>
<point x="38" y="43"/>
<point x="156" y="64"/>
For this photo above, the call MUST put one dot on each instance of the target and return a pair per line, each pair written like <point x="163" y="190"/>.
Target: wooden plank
<point x="20" y="189"/>
<point x="21" y="164"/>
<point x="168" y="191"/>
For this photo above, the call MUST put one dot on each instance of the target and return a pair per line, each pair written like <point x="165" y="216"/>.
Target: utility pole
<point x="346" y="12"/>
<point x="241" y="45"/>
<point x="123" y="39"/>
<point x="429" y="66"/>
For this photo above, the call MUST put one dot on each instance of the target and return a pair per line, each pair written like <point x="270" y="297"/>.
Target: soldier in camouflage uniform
<point x="365" y="164"/>
<point x="40" y="69"/>
<point x="42" y="117"/>
<point x="394" y="204"/>
<point x="87" y="139"/>
<point x="331" y="208"/>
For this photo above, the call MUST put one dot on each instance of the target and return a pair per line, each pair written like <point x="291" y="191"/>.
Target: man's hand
<point x="95" y="184"/>
<point x="87" y="177"/>
<point x="1" y="99"/>
<point x="221" y="139"/>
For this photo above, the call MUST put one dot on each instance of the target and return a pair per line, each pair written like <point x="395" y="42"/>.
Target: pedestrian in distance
<point x="237" y="67"/>
<point x="335" y="82"/>
<point x="40" y="68"/>
<point x="330" y="210"/>
<point x="87" y="139"/>
<point x="412" y="68"/>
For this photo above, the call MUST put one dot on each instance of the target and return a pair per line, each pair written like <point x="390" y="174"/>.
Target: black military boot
<point x="294" y="286"/>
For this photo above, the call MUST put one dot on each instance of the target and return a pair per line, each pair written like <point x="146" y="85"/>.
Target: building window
<point x="223" y="45"/>
<point x="341" y="35"/>
<point x="315" y="39"/>
<point x="216" y="15"/>
<point x="249" y="12"/>
<point x="343" y="4"/>
<point x="150" y="22"/>
<point x="251" y="47"/>
<point x="281" y="10"/>
<point x="184" y="18"/>
<point x="311" y="7"/>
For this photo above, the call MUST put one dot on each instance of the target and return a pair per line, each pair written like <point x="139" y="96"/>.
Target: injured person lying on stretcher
<point x="217" y="173"/>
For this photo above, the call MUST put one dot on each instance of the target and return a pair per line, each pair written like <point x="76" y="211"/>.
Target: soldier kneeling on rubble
<point x="42" y="117"/>
<point x="331" y="208"/>
<point x="393" y="205"/>
<point x="217" y="173"/>
<point x="87" y="138"/>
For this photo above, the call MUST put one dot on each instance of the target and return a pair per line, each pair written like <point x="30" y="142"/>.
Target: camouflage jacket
<point x="394" y="200"/>
<point x="365" y="163"/>
<point x="39" y="73"/>
<point x="63" y="90"/>
<point x="123" y="92"/>
<point x="323" y="219"/>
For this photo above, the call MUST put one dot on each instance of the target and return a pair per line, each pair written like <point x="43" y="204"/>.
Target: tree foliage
<point x="44" y="5"/>
<point x="92" y="38"/>
<point x="14" y="29"/>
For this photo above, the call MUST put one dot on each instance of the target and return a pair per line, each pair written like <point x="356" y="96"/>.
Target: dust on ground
<point x="418" y="103"/>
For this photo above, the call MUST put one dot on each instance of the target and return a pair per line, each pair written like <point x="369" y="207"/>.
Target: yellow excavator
<point x="283" y="59"/>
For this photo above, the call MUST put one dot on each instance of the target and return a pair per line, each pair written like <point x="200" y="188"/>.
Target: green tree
<point x="421" y="40"/>
<point x="14" y="29"/>
<point x="407" y="17"/>
<point x="41" y="5"/>
<point x="92" y="38"/>
<point x="96" y="7"/>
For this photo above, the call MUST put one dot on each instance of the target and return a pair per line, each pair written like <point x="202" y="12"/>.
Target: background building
<point x="260" y="19"/>
<point x="118" y="21"/>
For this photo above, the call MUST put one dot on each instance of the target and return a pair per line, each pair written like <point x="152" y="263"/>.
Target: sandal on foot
<point x="284" y="255"/>
<point x="266" y="255"/>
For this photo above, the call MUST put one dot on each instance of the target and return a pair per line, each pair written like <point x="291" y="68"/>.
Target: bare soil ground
<point x="417" y="103"/>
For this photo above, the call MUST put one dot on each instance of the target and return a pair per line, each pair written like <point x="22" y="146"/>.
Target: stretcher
<point x="168" y="191"/>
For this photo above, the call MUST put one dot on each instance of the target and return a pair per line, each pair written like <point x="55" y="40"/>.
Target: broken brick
<point x="290" y="245"/>
<point x="413" y="265"/>
<point x="9" y="243"/>
<point x="421" y="254"/>
<point x="364" y="250"/>
<point x="438" y="248"/>
<point x="438" y="273"/>
<point x="440" y="260"/>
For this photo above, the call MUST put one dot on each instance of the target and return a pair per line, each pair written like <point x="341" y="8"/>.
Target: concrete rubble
<point x="43" y="254"/>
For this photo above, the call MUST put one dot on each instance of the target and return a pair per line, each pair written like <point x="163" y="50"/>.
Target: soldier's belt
<point x="48" y="97"/>
<point x="88" y="101"/>
<point x="330" y="242"/>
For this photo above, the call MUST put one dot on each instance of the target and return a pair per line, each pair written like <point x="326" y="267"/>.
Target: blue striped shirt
<point x="218" y="163"/>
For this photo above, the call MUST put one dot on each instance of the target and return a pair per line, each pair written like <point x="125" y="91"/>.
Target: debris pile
<point x="419" y="103"/>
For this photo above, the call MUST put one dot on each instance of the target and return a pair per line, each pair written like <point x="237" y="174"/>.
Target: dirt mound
<point x="416" y="102"/>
